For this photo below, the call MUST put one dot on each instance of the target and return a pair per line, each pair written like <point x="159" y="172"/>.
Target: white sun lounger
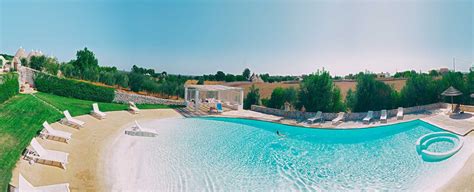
<point x="318" y="116"/>
<point x="339" y="118"/>
<point x="69" y="120"/>
<point x="133" y="108"/>
<point x="96" y="112"/>
<point x="49" y="131"/>
<point x="138" y="130"/>
<point x="25" y="186"/>
<point x="37" y="152"/>
<point x="400" y="113"/>
<point x="369" y="117"/>
<point x="383" y="116"/>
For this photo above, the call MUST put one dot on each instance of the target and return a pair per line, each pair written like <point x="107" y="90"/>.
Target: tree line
<point x="86" y="67"/>
<point x="317" y="92"/>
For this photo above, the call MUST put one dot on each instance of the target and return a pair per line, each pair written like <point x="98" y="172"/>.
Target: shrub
<point x="318" y="93"/>
<point x="265" y="102"/>
<point x="136" y="81"/>
<point x="282" y="95"/>
<point x="9" y="86"/>
<point x="420" y="89"/>
<point x="121" y="79"/>
<point x="73" y="88"/>
<point x="253" y="97"/>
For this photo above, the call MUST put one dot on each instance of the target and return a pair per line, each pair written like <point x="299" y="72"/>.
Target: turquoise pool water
<point x="226" y="154"/>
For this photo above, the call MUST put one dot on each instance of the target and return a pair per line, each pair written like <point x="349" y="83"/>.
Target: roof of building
<point x="20" y="53"/>
<point x="213" y="87"/>
<point x="256" y="78"/>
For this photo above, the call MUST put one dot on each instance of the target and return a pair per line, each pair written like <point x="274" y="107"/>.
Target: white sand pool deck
<point x="460" y="124"/>
<point x="86" y="151"/>
<point x="88" y="156"/>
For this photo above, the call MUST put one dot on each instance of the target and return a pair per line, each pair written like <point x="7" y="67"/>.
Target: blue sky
<point x="278" y="37"/>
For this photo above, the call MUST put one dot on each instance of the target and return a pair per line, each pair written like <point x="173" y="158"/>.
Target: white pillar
<point x="186" y="95"/>
<point x="196" y="100"/>
<point x="241" y="106"/>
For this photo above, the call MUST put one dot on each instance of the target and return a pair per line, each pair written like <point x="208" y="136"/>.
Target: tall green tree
<point x="86" y="65"/>
<point x="229" y="77"/>
<point x="434" y="73"/>
<point x="121" y="79"/>
<point x="420" y="89"/>
<point x="51" y="66"/>
<point x="470" y="84"/>
<point x="455" y="79"/>
<point x="253" y="97"/>
<point x="373" y="95"/>
<point x="246" y="73"/>
<point x="220" y="76"/>
<point x="37" y="62"/>
<point x="318" y="93"/>
<point x="351" y="99"/>
<point x="68" y="69"/>
<point x="200" y="81"/>
<point x="24" y="62"/>
<point x="107" y="78"/>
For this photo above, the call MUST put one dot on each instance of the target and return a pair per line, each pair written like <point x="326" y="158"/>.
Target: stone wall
<point x="123" y="97"/>
<point x="27" y="75"/>
<point x="347" y="116"/>
<point x="468" y="108"/>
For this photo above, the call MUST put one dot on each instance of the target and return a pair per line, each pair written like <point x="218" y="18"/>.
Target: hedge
<point x="73" y="88"/>
<point x="9" y="86"/>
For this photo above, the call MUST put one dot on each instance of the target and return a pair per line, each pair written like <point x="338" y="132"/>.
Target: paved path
<point x="459" y="124"/>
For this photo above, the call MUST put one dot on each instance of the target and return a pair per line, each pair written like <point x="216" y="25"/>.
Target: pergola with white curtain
<point x="230" y="97"/>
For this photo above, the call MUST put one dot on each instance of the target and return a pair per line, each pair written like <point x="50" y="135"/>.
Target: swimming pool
<point x="229" y="154"/>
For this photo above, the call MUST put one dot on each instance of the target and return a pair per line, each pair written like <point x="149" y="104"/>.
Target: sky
<point x="276" y="37"/>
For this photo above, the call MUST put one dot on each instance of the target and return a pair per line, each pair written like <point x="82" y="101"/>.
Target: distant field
<point x="267" y="88"/>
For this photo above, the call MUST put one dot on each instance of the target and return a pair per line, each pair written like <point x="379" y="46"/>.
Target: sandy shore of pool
<point x="464" y="178"/>
<point x="87" y="151"/>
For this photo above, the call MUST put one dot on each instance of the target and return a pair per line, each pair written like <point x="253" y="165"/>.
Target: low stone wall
<point x="347" y="116"/>
<point x="123" y="97"/>
<point x="468" y="108"/>
<point x="27" y="75"/>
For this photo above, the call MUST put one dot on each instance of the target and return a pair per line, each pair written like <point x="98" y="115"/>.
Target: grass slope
<point x="81" y="107"/>
<point x="21" y="118"/>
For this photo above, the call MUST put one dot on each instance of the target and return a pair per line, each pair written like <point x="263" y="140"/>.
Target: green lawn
<point x="81" y="107"/>
<point x="21" y="118"/>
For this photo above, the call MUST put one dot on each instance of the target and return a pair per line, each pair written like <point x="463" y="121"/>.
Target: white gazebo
<point x="230" y="97"/>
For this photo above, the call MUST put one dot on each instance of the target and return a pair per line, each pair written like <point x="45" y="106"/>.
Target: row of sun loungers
<point x="36" y="152"/>
<point x="367" y="119"/>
